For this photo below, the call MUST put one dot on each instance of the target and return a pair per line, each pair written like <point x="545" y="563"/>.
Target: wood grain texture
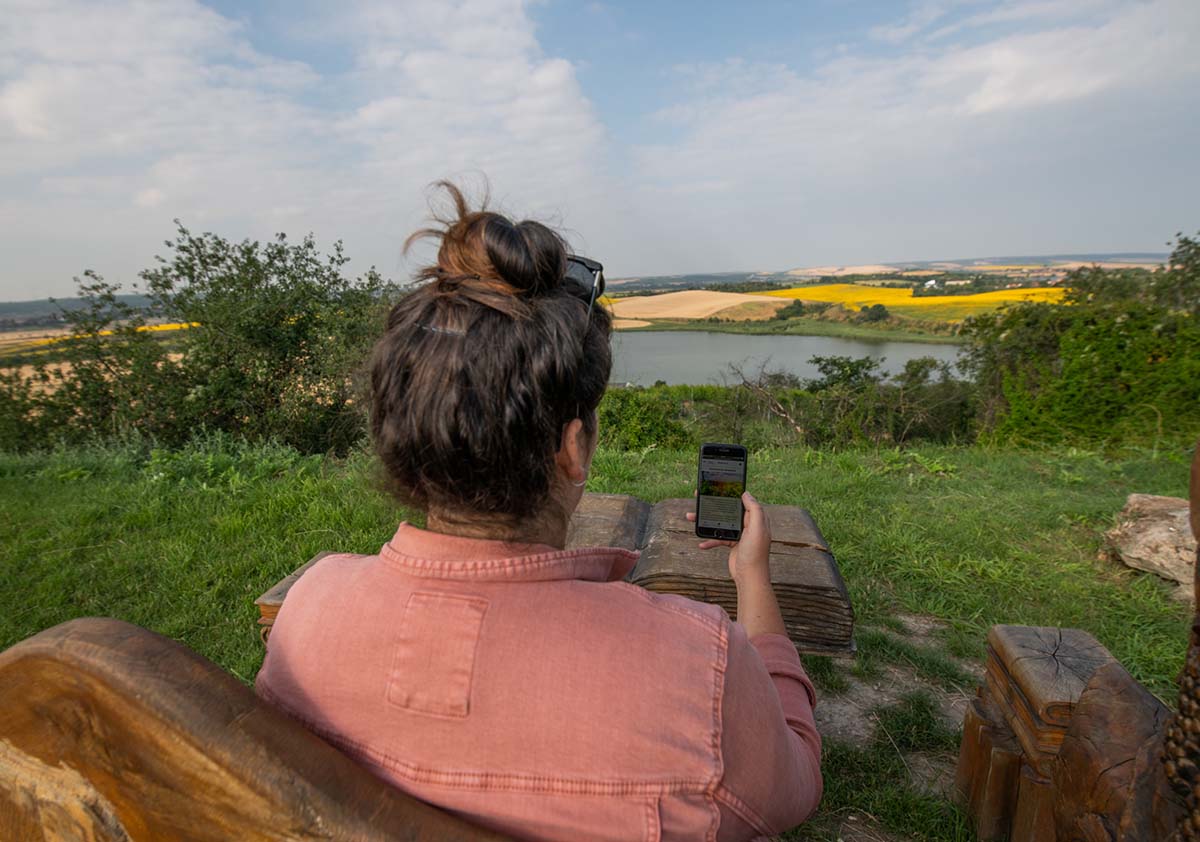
<point x="41" y="803"/>
<point x="813" y="598"/>
<point x="989" y="761"/>
<point x="1050" y="666"/>
<point x="1194" y="499"/>
<point x="1033" y="818"/>
<point x="608" y="520"/>
<point x="1108" y="776"/>
<point x="790" y="525"/>
<point x="173" y="748"/>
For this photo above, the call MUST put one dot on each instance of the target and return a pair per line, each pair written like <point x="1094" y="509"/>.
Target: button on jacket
<point x="531" y="691"/>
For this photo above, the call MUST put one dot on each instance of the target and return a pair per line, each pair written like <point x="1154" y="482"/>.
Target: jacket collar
<point x="420" y="552"/>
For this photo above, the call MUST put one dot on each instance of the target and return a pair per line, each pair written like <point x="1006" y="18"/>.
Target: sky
<point x="660" y="137"/>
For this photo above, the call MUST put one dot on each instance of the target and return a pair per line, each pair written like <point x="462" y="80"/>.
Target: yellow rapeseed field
<point x="949" y="308"/>
<point x="25" y="340"/>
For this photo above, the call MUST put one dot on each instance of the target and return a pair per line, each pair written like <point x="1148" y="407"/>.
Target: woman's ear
<point x="574" y="452"/>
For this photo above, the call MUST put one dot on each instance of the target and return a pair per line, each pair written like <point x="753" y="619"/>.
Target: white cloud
<point x="170" y="104"/>
<point x="923" y="14"/>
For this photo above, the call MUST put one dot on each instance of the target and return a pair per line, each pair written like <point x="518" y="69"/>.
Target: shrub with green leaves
<point x="277" y="336"/>
<point x="632" y="418"/>
<point x="1118" y="360"/>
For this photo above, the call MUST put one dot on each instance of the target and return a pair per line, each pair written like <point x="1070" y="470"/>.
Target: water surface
<point x="643" y="357"/>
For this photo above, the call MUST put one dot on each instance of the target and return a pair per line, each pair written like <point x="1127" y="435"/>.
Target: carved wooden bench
<point x="109" y="732"/>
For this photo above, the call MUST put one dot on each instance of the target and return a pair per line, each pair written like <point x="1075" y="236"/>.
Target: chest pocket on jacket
<point x="435" y="656"/>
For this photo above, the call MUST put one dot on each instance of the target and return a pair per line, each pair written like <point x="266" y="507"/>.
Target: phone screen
<point x="721" y="483"/>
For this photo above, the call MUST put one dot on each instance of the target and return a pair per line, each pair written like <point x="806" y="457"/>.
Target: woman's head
<point x="484" y="367"/>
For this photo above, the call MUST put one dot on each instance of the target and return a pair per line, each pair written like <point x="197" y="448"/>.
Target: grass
<point x="874" y="780"/>
<point x="877" y="647"/>
<point x="182" y="542"/>
<point x="902" y="302"/>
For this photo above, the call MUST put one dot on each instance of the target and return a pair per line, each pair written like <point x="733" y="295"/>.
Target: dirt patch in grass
<point x="848" y="715"/>
<point x="889" y="702"/>
<point x="923" y="629"/>
<point x="932" y="773"/>
<point x="860" y="828"/>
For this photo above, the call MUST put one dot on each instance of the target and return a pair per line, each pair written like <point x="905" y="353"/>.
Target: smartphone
<point x="720" y="483"/>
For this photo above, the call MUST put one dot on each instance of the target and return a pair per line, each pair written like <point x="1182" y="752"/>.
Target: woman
<point x="478" y="665"/>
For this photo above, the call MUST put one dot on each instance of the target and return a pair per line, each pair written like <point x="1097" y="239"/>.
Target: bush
<point x="1119" y="360"/>
<point x="794" y="310"/>
<point x="276" y="336"/>
<point x="875" y="313"/>
<point x="853" y="403"/>
<point x="632" y="418"/>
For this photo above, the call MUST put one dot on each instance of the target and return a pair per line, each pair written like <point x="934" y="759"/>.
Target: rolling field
<point x="692" y="304"/>
<point x="950" y="308"/>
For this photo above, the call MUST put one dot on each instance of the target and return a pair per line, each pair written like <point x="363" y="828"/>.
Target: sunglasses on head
<point x="588" y="276"/>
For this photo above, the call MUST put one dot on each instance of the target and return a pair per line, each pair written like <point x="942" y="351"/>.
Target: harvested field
<point x="687" y="304"/>
<point x="751" y="311"/>
<point x="626" y="324"/>
<point x="902" y="302"/>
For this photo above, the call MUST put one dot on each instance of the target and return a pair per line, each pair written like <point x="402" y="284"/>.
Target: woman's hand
<point x="748" y="557"/>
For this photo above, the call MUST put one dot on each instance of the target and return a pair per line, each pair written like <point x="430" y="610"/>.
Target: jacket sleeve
<point x="769" y="742"/>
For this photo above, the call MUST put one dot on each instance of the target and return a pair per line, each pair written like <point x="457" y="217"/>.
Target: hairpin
<point x="449" y="331"/>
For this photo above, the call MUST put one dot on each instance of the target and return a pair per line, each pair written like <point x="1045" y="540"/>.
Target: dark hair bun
<point x="525" y="257"/>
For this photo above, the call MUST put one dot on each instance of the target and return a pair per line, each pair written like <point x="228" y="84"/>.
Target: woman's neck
<point x="544" y="530"/>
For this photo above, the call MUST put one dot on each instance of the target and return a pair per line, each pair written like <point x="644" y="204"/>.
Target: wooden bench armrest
<point x="157" y="742"/>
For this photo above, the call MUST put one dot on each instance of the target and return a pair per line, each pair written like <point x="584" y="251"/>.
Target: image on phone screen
<point x="721" y="483"/>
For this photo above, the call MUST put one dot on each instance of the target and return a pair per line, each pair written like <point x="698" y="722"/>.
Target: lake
<point x="643" y="357"/>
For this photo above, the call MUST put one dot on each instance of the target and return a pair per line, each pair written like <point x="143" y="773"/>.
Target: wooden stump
<point x="1108" y="775"/>
<point x="1033" y="820"/>
<point x="988" y="764"/>
<point x="1035" y="677"/>
<point x="1013" y="732"/>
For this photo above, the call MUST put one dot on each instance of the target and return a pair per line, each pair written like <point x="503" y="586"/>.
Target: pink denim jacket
<point x="529" y="690"/>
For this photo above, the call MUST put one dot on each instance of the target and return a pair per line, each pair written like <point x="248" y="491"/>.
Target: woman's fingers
<point x="690" y="516"/>
<point x="708" y="545"/>
<point x="756" y="517"/>
<point x="754" y="549"/>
